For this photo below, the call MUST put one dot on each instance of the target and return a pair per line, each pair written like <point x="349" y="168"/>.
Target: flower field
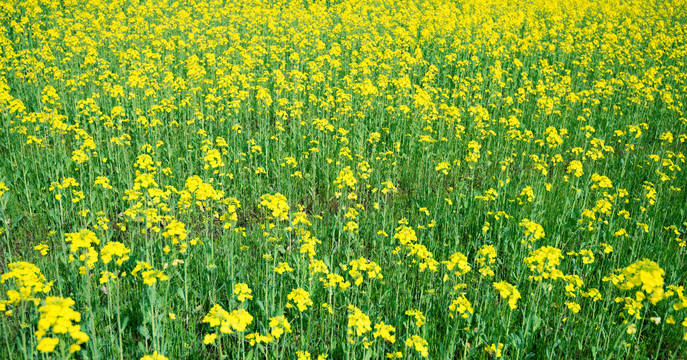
<point x="364" y="179"/>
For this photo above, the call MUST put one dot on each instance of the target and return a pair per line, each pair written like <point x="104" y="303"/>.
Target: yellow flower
<point x="509" y="292"/>
<point x="573" y="306"/>
<point x="57" y="317"/>
<point x="485" y="257"/>
<point x="419" y="344"/>
<point x="362" y="265"/>
<point x="334" y="279"/>
<point x="495" y="349"/>
<point x="544" y="262"/>
<point x="358" y="322"/>
<point x="443" y="167"/>
<point x="175" y="231"/>
<point x="462" y="306"/>
<point x="154" y="356"/>
<point x="301" y="298"/>
<point x="300" y="218"/>
<point x="243" y="292"/>
<point x="417" y="314"/>
<point x="283" y="267"/>
<point x="460" y="261"/>
<point x="645" y="274"/>
<point x="237" y="320"/>
<point x="426" y="257"/>
<point x="42" y="248"/>
<point x="318" y="267"/>
<point x="114" y="249"/>
<point x="84" y="239"/>
<point x="106" y="276"/>
<point x="213" y="159"/>
<point x="303" y="355"/>
<point x="592" y="293"/>
<point x="405" y="235"/>
<point x="277" y="204"/>
<point x="28" y="282"/>
<point x="385" y="332"/>
<point x="351" y="226"/>
<point x="150" y="277"/>
<point x="575" y="167"/>
<point x="329" y="308"/>
<point x="587" y="256"/>
<point x="209" y="339"/>
<point x="257" y="338"/>
<point x="607" y="248"/>
<point x="279" y="325"/>
<point x="346" y="178"/>
<point x="533" y="231"/>
<point x="601" y="181"/>
<point x="102" y="182"/>
<point x="47" y="345"/>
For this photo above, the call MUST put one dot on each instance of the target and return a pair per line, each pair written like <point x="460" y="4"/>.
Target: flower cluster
<point x="644" y="274"/>
<point x="277" y="205"/>
<point x="28" y="282"/>
<point x="228" y="323"/>
<point x="544" y="262"/>
<point x="57" y="318"/>
<point x="81" y="247"/>
<point x="243" y="292"/>
<point x="362" y="265"/>
<point x="358" y="322"/>
<point x="300" y="298"/>
<point x="461" y="306"/>
<point x="508" y="292"/>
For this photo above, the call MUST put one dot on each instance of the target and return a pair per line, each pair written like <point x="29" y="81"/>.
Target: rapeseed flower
<point x="508" y="292"/>
<point x="114" y="249"/>
<point x="279" y="325"/>
<point x="58" y="317"/>
<point x="154" y="356"/>
<point x="419" y="344"/>
<point x="84" y="239"/>
<point x="243" y="292"/>
<point x="544" y="262"/>
<point x="358" y="322"/>
<point x="300" y="298"/>
<point x="419" y="317"/>
<point x="361" y="265"/>
<point x="645" y="274"/>
<point x="461" y="306"/>
<point x="405" y="235"/>
<point x="277" y="205"/>
<point x="486" y="256"/>
<point x="460" y="262"/>
<point x="228" y="323"/>
<point x="495" y="349"/>
<point x="283" y="267"/>
<point x="28" y="282"/>
<point x="385" y="332"/>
